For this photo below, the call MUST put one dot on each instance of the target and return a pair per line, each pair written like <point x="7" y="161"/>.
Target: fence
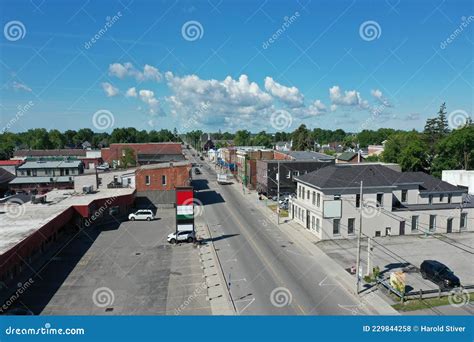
<point x="421" y="294"/>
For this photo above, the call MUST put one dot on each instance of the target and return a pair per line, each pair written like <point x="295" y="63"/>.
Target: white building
<point x="394" y="203"/>
<point x="460" y="178"/>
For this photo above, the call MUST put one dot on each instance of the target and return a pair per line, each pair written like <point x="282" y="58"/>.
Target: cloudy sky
<point x="257" y="65"/>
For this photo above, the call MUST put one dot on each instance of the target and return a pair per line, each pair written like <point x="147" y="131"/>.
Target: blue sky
<point x="258" y="65"/>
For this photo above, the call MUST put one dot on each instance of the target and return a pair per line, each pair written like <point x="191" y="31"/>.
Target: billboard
<point x="332" y="209"/>
<point x="184" y="208"/>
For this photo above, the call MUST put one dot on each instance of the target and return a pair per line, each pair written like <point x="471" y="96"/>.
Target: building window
<point x="404" y="196"/>
<point x="430" y="199"/>
<point x="317" y="225"/>
<point x="463" y="221"/>
<point x="163" y="180"/>
<point x="377" y="233"/>
<point x="147" y="180"/>
<point x="313" y="223"/>
<point x="299" y="191"/>
<point x="307" y="194"/>
<point x="379" y="200"/>
<point x="441" y="197"/>
<point x="302" y="192"/>
<point x="337" y="197"/>
<point x="314" y="197"/>
<point x="350" y="225"/>
<point x="296" y="173"/>
<point x="335" y="226"/>
<point x="414" y="223"/>
<point x="288" y="176"/>
<point x="318" y="200"/>
<point x="432" y="223"/>
<point x="449" y="198"/>
<point x="357" y="200"/>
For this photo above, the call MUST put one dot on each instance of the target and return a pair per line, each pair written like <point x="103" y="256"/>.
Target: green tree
<point x="57" y="139"/>
<point x="128" y="159"/>
<point x="302" y="140"/>
<point x="242" y="138"/>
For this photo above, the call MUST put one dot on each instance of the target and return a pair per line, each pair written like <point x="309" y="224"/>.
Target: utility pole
<point x="369" y="252"/>
<point x="361" y="204"/>
<point x="278" y="195"/>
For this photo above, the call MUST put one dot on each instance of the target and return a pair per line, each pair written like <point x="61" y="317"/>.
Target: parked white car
<point x="104" y="167"/>
<point x="185" y="235"/>
<point x="142" y="215"/>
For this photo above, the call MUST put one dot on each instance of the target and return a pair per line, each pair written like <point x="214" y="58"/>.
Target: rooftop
<point x="39" y="180"/>
<point x="346" y="156"/>
<point x="10" y="162"/>
<point x="307" y="155"/>
<point x="51" y="164"/>
<point x="45" y="153"/>
<point x="373" y="175"/>
<point x="164" y="165"/>
<point x="15" y="228"/>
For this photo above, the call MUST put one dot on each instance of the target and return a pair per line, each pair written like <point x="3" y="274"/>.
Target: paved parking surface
<point x="126" y="269"/>
<point x="397" y="252"/>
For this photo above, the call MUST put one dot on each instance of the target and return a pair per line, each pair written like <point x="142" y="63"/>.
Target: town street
<point x="266" y="272"/>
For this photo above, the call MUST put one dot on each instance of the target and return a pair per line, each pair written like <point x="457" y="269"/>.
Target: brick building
<point x="145" y="153"/>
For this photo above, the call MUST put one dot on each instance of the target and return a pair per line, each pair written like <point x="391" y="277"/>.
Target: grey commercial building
<point x="328" y="203"/>
<point x="292" y="164"/>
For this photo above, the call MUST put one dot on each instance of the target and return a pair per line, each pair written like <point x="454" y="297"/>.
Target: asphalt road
<point x="267" y="273"/>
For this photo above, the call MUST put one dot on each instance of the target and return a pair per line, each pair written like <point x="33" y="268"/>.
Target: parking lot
<point x="125" y="268"/>
<point x="401" y="252"/>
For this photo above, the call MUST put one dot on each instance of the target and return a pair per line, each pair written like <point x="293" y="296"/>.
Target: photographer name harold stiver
<point x="442" y="328"/>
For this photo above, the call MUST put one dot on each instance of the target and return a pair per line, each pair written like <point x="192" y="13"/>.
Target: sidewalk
<point x="306" y="240"/>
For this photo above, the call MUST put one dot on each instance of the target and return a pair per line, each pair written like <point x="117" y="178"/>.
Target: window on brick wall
<point x="163" y="180"/>
<point x="147" y="180"/>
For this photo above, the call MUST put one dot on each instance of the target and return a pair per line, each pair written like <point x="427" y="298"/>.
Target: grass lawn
<point x="283" y="213"/>
<point x="416" y="304"/>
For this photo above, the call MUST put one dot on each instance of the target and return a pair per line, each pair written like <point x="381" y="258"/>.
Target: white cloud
<point x="289" y="95"/>
<point x="231" y="102"/>
<point x="148" y="96"/>
<point x="350" y="98"/>
<point x="131" y="92"/>
<point x="379" y="97"/>
<point x="109" y="89"/>
<point x="128" y="70"/>
<point x="21" y="86"/>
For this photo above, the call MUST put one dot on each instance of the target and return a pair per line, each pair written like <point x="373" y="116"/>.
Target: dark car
<point x="197" y="171"/>
<point x="439" y="274"/>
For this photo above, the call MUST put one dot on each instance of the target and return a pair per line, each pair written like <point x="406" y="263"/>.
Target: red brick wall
<point x="280" y="156"/>
<point x="175" y="176"/>
<point x="114" y="152"/>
